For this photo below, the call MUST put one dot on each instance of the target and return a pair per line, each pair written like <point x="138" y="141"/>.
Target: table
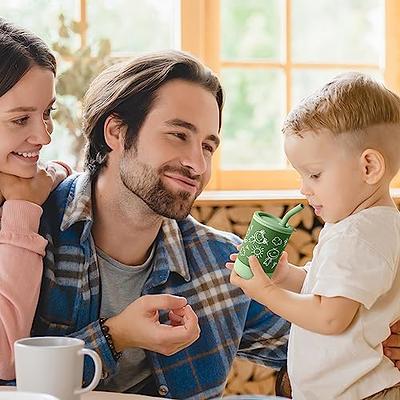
<point x="101" y="395"/>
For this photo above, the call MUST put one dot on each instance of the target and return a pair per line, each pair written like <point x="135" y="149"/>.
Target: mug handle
<point x="97" y="372"/>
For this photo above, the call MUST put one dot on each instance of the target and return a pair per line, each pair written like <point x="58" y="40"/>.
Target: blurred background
<point x="268" y="53"/>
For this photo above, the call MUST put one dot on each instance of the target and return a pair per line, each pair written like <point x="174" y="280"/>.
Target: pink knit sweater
<point x="21" y="252"/>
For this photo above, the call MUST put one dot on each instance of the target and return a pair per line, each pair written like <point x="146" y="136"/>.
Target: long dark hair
<point x="20" y="50"/>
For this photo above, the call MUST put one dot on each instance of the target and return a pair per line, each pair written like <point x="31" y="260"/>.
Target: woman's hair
<point x="20" y="50"/>
<point x="128" y="90"/>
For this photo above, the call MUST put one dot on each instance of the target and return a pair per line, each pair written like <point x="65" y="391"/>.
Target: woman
<point x="27" y="94"/>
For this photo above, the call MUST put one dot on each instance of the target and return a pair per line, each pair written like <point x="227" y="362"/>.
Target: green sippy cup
<point x="266" y="238"/>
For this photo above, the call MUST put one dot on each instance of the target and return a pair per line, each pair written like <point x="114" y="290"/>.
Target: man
<point x="121" y="231"/>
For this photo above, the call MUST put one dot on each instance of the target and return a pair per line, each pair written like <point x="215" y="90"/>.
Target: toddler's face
<point x="331" y="174"/>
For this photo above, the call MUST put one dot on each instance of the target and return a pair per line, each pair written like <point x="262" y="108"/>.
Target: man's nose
<point x="195" y="160"/>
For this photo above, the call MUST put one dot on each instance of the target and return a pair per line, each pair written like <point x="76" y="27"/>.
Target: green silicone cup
<point x="266" y="238"/>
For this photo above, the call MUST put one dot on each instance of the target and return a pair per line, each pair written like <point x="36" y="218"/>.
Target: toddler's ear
<point x="373" y="166"/>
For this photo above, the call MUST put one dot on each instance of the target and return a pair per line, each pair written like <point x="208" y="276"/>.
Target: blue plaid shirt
<point x="189" y="261"/>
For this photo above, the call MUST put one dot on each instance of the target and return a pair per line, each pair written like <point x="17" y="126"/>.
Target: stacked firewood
<point x="249" y="378"/>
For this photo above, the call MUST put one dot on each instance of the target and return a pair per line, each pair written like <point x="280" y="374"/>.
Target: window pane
<point x="342" y="31"/>
<point x="306" y="81"/>
<point x="40" y="16"/>
<point x="253" y="114"/>
<point x="135" y="25"/>
<point x="251" y="29"/>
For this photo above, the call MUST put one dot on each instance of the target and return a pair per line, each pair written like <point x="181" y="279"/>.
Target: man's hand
<point x="35" y="189"/>
<point x="139" y="326"/>
<point x="391" y="346"/>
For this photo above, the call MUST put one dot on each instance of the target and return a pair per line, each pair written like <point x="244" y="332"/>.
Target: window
<point x="268" y="53"/>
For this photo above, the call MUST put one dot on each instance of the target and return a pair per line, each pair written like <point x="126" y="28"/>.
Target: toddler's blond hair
<point x="356" y="105"/>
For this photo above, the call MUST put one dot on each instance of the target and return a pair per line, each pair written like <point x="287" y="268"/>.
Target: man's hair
<point x="355" y="105"/>
<point x="128" y="90"/>
<point x="20" y="50"/>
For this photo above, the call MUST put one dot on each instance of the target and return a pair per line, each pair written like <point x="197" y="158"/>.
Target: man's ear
<point x="114" y="132"/>
<point x="373" y="166"/>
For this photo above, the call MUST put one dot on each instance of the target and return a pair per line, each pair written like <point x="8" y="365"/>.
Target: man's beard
<point x="145" y="182"/>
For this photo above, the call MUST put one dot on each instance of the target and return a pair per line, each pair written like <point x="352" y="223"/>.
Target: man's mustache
<point x="181" y="171"/>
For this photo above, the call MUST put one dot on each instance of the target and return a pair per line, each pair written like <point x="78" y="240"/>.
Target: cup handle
<point x="97" y="371"/>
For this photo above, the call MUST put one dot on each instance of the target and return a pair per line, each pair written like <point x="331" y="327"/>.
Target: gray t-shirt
<point x="121" y="285"/>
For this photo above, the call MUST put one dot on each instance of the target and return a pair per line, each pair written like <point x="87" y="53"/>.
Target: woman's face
<point x="25" y="122"/>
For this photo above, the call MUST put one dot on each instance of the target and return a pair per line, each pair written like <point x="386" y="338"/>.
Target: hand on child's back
<point x="391" y="346"/>
<point x="35" y="189"/>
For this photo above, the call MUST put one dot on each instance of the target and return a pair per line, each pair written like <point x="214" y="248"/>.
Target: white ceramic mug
<point x="53" y="365"/>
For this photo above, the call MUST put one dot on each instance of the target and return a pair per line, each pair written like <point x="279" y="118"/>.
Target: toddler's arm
<point x="324" y="315"/>
<point x="286" y="276"/>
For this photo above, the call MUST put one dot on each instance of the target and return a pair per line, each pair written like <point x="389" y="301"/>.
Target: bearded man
<point x="127" y="269"/>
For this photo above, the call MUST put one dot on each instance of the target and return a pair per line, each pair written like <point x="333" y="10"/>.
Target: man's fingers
<point x="190" y="319"/>
<point x="175" y="338"/>
<point x="392" y="341"/>
<point x="393" y="353"/>
<point x="175" y="318"/>
<point x="163" y="302"/>
<point x="395" y="328"/>
<point x="179" y="311"/>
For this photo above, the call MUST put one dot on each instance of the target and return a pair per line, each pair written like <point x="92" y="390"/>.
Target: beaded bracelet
<point x="106" y="332"/>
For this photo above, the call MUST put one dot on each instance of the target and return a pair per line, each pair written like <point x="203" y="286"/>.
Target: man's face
<point x="170" y="164"/>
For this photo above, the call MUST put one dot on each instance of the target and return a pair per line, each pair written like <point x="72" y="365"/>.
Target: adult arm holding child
<point x="391" y="346"/>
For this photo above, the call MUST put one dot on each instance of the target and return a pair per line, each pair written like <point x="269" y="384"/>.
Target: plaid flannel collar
<point x="170" y="245"/>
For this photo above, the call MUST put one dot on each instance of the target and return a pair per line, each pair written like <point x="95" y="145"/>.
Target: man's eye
<point x="315" y="176"/>
<point x="208" y="147"/>
<point x="179" y="135"/>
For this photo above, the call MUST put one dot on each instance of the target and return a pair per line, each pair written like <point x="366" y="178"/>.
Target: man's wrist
<point x="105" y="328"/>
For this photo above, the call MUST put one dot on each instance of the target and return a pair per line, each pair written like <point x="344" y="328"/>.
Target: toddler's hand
<point x="282" y="269"/>
<point x="258" y="286"/>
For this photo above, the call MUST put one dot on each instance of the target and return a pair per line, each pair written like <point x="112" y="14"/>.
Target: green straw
<point x="290" y="214"/>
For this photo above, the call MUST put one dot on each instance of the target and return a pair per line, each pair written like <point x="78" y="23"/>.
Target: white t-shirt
<point x="357" y="258"/>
